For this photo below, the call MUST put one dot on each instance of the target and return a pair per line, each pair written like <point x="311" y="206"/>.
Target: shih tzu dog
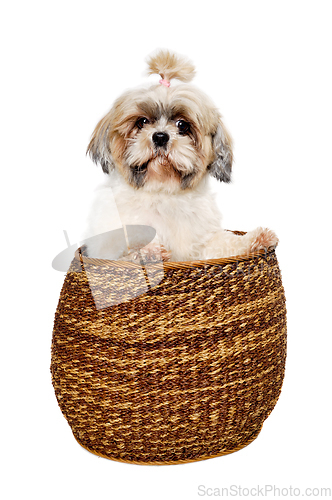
<point x="159" y="146"/>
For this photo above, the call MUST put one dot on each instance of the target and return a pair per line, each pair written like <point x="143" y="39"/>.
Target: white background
<point x="267" y="66"/>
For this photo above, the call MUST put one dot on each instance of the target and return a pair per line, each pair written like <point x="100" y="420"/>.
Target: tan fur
<point x="117" y="135"/>
<point x="264" y="239"/>
<point x="170" y="66"/>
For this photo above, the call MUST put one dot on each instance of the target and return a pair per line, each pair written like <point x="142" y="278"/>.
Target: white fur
<point x="187" y="223"/>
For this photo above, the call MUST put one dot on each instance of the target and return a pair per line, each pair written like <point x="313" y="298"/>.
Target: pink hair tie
<point x="165" y="82"/>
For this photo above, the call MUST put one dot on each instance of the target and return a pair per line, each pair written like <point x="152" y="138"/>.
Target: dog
<point x="159" y="146"/>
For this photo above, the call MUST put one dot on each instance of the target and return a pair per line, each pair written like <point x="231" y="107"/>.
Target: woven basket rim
<point x="173" y="265"/>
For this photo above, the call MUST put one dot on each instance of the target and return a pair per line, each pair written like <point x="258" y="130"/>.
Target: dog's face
<point x="163" y="138"/>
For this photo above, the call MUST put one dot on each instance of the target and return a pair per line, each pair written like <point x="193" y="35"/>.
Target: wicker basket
<point x="169" y="363"/>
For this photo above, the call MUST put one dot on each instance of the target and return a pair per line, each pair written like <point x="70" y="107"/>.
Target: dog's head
<point x="164" y="137"/>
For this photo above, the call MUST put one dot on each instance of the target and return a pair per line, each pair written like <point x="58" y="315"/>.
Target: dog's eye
<point x="141" y="122"/>
<point x="183" y="126"/>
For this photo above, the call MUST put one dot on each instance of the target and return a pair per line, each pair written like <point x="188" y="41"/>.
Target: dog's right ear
<point x="99" y="146"/>
<point x="221" y="167"/>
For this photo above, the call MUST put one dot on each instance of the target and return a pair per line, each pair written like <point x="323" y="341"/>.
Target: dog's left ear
<point x="99" y="147"/>
<point x="221" y="167"/>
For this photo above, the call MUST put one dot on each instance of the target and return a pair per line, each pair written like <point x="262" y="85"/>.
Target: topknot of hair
<point x="169" y="65"/>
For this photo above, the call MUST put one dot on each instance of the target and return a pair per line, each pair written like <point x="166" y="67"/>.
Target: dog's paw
<point x="263" y="238"/>
<point x="150" y="253"/>
<point x="155" y="253"/>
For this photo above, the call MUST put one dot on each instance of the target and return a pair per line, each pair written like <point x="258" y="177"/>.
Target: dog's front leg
<point x="227" y="244"/>
<point x="153" y="252"/>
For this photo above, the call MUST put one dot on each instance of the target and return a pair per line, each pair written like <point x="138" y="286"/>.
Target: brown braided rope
<point x="172" y="368"/>
<point x="186" y="461"/>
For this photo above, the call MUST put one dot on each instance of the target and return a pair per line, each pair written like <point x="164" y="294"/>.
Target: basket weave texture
<point x="186" y="370"/>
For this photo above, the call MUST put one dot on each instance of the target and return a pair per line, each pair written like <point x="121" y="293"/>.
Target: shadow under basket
<point x="171" y="362"/>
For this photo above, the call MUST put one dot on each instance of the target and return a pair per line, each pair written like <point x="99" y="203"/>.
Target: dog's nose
<point x="160" y="138"/>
